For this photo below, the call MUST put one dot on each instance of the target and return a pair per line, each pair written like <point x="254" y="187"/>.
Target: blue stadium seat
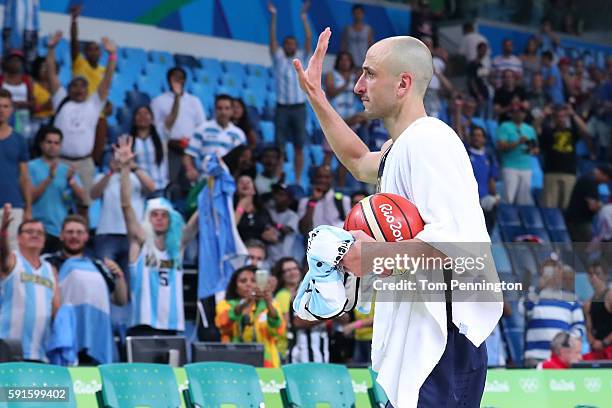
<point x="492" y="129"/>
<point x="531" y="217"/>
<point x="124" y="116"/>
<point x="316" y="154"/>
<point x="231" y="91"/>
<point x="538" y="232"/>
<point x="254" y="99"/>
<point x="524" y="263"/>
<point x="186" y="61"/>
<point x="116" y="96"/>
<point x="582" y="287"/>
<point x="163" y="58"/>
<point x="156" y="71"/>
<point x="560" y="236"/>
<point x="206" y="78"/>
<point x="134" y="99"/>
<point x="256" y="70"/>
<point x="256" y="83"/>
<point x="213" y="66"/>
<point x="510" y="232"/>
<point x="267" y="131"/>
<point x="553" y="218"/>
<point x="507" y="214"/>
<point x="230" y="80"/>
<point x="149" y="86"/>
<point x="271" y="100"/>
<point x="501" y="258"/>
<point x="233" y="67"/>
<point x="537" y="176"/>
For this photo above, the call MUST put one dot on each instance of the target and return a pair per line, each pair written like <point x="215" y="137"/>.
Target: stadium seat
<point x="156" y="71"/>
<point x="163" y="58"/>
<point x="254" y="99"/>
<point x="234" y="68"/>
<point x="134" y="99"/>
<point x="213" y="66"/>
<point x="510" y="232"/>
<point x="560" y="236"/>
<point x="501" y="258"/>
<point x="553" y="218"/>
<point x="530" y="216"/>
<point x="149" y="86"/>
<point x="186" y="61"/>
<point x="218" y="384"/>
<point x="377" y="395"/>
<point x="124" y="116"/>
<point x="267" y="131"/>
<point x="257" y="83"/>
<point x="138" y="384"/>
<point x="257" y="70"/>
<point x="524" y="263"/>
<point x="582" y="287"/>
<point x="310" y="384"/>
<point x="206" y="78"/>
<point x="538" y="232"/>
<point x="508" y="215"/>
<point x="316" y="154"/>
<point x="25" y="374"/>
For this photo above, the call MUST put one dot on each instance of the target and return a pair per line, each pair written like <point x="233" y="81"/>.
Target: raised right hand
<point x="271" y="8"/>
<point x="54" y="39"/>
<point x="310" y="79"/>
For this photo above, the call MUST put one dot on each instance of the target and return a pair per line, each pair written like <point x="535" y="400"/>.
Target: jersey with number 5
<point x="156" y="286"/>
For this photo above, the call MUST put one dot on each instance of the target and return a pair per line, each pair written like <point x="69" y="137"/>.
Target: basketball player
<point x="427" y="354"/>
<point x="155" y="257"/>
<point x="29" y="295"/>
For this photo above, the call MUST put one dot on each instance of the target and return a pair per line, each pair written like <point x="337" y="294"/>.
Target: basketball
<point x="385" y="217"/>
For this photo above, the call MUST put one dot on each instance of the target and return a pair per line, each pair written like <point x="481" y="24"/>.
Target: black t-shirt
<point x="504" y="97"/>
<point x="559" y="149"/>
<point x="252" y="225"/>
<point x="473" y="75"/>
<point x="578" y="209"/>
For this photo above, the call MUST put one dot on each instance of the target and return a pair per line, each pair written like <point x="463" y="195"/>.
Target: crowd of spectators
<point x="130" y="273"/>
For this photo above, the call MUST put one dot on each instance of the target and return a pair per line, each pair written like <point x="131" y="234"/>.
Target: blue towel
<point x="62" y="343"/>
<point x="327" y="291"/>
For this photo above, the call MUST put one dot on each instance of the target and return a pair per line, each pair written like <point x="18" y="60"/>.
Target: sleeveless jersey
<point x="157" y="290"/>
<point x="26" y="297"/>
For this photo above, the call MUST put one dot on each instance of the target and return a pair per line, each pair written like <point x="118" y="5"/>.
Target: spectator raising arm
<point x="136" y="236"/>
<point x="273" y="41"/>
<point x="307" y="30"/>
<point x="176" y="87"/>
<point x="54" y="83"/>
<point x="105" y="85"/>
<point x="74" y="31"/>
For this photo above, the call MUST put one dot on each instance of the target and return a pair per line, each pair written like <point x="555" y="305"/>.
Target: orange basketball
<point x="385" y="217"/>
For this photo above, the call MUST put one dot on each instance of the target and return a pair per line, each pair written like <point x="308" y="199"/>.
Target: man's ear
<point x="405" y="84"/>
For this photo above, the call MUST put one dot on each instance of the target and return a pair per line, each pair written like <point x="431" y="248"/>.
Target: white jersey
<point x="156" y="288"/>
<point x="428" y="165"/>
<point x="26" y="299"/>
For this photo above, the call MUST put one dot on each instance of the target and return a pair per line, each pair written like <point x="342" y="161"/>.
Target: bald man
<point x="427" y="354"/>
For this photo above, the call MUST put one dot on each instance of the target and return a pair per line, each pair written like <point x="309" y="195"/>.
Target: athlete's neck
<point x="404" y="117"/>
<point x="32" y="256"/>
<point x="160" y="241"/>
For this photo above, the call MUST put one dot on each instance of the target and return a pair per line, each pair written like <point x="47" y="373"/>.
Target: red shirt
<point x="554" y="362"/>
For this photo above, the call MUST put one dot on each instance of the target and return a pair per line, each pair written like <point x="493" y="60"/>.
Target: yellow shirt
<point x="80" y="67"/>
<point x="365" y="333"/>
<point x="283" y="298"/>
<point x="41" y="96"/>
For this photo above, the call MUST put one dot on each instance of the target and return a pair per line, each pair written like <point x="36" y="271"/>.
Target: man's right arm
<point x="272" y="28"/>
<point x="54" y="83"/>
<point x="74" y="32"/>
<point x="348" y="147"/>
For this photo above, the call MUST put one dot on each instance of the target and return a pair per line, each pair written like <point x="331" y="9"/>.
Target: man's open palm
<point x="310" y="80"/>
